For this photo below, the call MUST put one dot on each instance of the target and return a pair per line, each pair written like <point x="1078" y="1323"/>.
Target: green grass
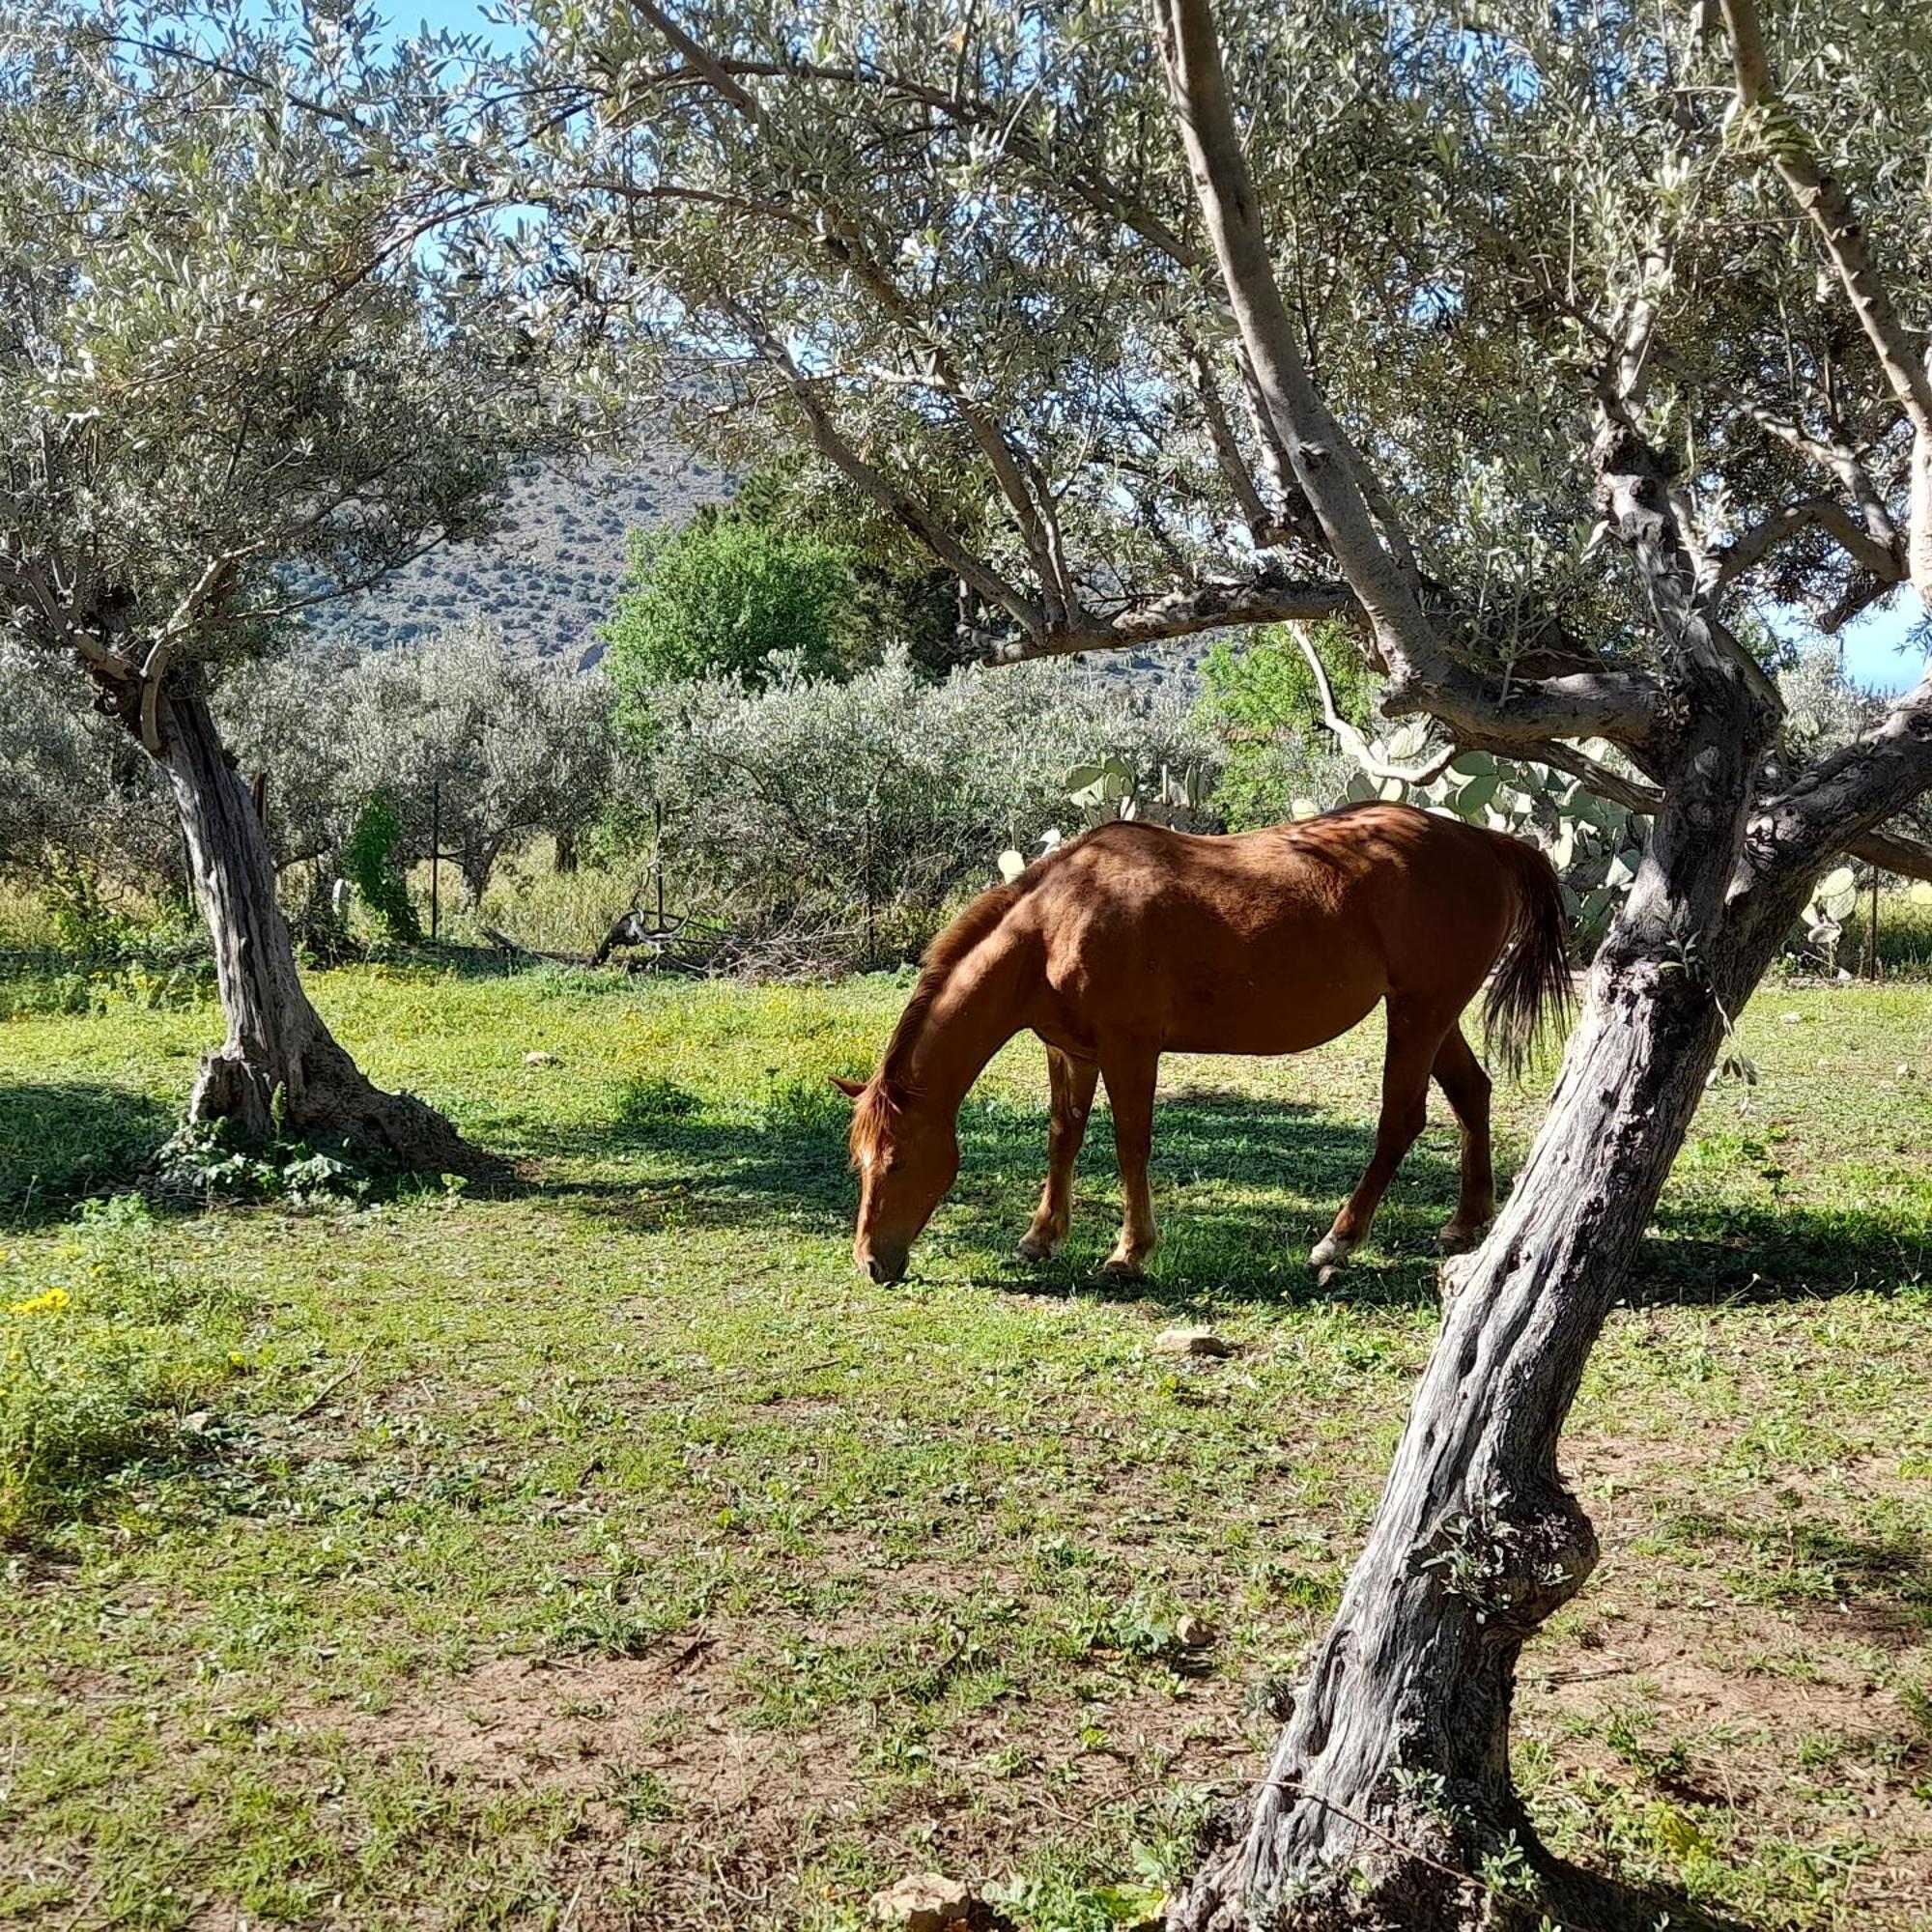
<point x="605" y="1553"/>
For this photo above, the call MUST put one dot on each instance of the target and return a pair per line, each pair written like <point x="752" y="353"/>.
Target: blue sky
<point x="455" y="17"/>
<point x="1873" y="647"/>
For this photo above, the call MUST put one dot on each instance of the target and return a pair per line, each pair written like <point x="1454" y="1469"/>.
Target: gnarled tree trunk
<point x="280" y="1066"/>
<point x="1390" y="1800"/>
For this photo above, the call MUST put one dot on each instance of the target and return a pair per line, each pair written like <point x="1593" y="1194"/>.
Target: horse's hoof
<point x="1329" y="1253"/>
<point x="1032" y="1250"/>
<point x="1458" y="1241"/>
<point x="1123" y="1268"/>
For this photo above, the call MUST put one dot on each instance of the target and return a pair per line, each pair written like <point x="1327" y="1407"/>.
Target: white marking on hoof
<point x="1331" y="1251"/>
<point x="1123" y="1268"/>
<point x="1034" y="1249"/>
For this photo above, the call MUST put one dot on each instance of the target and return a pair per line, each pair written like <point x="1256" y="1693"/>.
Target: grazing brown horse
<point x="1135" y="941"/>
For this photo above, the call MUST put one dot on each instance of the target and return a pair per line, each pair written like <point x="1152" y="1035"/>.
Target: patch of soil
<point x="1729" y="1704"/>
<point x="695" y="1816"/>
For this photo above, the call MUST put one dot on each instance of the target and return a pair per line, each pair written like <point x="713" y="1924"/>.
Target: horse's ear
<point x="851" y="1089"/>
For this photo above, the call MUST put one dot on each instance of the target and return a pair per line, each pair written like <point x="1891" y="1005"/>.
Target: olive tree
<point x="1535" y="342"/>
<point x="230" y="389"/>
<point x="479" y="747"/>
<point x="78" y="794"/>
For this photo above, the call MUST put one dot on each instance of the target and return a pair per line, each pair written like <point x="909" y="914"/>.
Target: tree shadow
<point x="1244" y="1187"/>
<point x="1878" y="1584"/>
<point x="1701" y="1252"/>
<point x="63" y="1139"/>
<point x="1586" y="1900"/>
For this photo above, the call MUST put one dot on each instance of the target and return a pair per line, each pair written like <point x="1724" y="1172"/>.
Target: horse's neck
<point x="978" y="1007"/>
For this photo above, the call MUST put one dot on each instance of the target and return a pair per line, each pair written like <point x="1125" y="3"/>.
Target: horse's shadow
<point x="1242" y="1185"/>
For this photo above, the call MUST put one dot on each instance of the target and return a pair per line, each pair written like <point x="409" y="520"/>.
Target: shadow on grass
<point x="1242" y="1185"/>
<point x="1706" y="1252"/>
<point x="1881" y="1582"/>
<point x="60" y="1141"/>
<point x="1588" y="1900"/>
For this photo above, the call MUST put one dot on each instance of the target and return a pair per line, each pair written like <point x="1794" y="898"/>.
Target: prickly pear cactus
<point x="1596" y="846"/>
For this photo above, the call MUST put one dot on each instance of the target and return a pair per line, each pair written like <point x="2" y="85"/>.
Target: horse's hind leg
<point x="1460" y="1076"/>
<point x="1071" y="1082"/>
<point x="1130" y="1083"/>
<point x="1413" y="1043"/>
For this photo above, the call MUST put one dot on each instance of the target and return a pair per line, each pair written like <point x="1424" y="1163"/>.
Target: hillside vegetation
<point x="550" y="575"/>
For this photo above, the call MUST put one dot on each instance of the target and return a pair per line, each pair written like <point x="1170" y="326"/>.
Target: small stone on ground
<point x="1192" y="1342"/>
<point x="925" y="1902"/>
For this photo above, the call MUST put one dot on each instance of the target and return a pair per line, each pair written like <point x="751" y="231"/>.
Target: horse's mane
<point x="890" y="1092"/>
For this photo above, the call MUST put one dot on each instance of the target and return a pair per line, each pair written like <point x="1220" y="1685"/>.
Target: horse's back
<point x="1270" y="941"/>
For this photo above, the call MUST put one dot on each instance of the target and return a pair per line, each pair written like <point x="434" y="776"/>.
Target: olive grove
<point x="230" y="389"/>
<point x="1543" y="345"/>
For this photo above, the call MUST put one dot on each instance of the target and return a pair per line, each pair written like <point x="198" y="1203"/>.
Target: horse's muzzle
<point x="880" y="1266"/>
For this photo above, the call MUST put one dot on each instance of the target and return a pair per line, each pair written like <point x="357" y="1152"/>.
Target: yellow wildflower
<point x="49" y="1303"/>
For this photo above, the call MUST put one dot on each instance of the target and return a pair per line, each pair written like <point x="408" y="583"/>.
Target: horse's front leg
<point x="1072" y="1083"/>
<point x="1130" y="1083"/>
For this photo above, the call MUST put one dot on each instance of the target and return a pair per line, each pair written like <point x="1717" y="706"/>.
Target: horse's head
<point x="906" y="1156"/>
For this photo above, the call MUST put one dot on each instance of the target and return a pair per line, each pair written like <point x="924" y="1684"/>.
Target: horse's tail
<point x="1529" y="991"/>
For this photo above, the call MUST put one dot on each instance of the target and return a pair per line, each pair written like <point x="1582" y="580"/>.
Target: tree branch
<point x="1422" y="674"/>
<point x="1894" y="851"/>
<point x="1839" y="459"/>
<point x="1352" y="741"/>
<point x="832" y="445"/>
<point x="1104" y="196"/>
<point x="1823" y="197"/>
<point x="843" y="239"/>
<point x="1821" y="513"/>
<point x="1220" y="604"/>
<point x="1262" y="526"/>
<point x="1634" y="490"/>
<point x="1847" y="795"/>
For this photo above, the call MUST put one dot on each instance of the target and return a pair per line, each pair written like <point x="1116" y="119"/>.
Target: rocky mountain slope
<point x="550" y="576"/>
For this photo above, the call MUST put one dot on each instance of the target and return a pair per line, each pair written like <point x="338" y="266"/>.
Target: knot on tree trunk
<point x="1513" y="1562"/>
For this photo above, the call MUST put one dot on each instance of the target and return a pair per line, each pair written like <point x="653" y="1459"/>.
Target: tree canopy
<point x="724" y="594"/>
<point x="228" y="388"/>
<point x="956" y="253"/>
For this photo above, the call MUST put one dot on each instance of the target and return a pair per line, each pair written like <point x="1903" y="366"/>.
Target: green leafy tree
<point x="899" y="595"/>
<point x="726" y="594"/>
<point x="1260" y="699"/>
<point x="230" y="389"/>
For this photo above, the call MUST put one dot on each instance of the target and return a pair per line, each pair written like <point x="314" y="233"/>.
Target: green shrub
<point x="650" y="1102"/>
<point x="1260" y="703"/>
<point x="105" y="1359"/>
<point x="829" y="822"/>
<point x="210" y="1160"/>
<point x="720" y="598"/>
<point x="370" y="861"/>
